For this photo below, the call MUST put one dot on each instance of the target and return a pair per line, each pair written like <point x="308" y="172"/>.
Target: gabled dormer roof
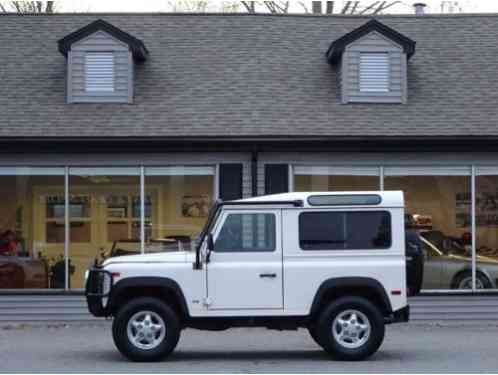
<point x="337" y="47"/>
<point x="170" y="99"/>
<point x="137" y="47"/>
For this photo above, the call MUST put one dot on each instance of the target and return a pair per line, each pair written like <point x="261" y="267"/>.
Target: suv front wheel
<point x="146" y="329"/>
<point x="351" y="328"/>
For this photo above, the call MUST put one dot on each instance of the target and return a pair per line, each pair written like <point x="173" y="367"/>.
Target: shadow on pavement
<point x="249" y="355"/>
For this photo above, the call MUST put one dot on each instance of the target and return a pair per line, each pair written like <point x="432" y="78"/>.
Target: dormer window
<point x="372" y="64"/>
<point x="99" y="72"/>
<point x="374" y="75"/>
<point x="100" y="63"/>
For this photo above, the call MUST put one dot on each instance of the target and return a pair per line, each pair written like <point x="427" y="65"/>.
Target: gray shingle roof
<point x="246" y="75"/>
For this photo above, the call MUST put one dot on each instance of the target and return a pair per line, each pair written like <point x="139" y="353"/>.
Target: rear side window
<point x="352" y="230"/>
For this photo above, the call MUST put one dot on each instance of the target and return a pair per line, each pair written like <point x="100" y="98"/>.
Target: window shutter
<point x="99" y="72"/>
<point x="230" y="181"/>
<point x="374" y="72"/>
<point x="276" y="178"/>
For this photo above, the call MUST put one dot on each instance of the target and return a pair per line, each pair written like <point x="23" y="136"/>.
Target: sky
<point x="405" y="6"/>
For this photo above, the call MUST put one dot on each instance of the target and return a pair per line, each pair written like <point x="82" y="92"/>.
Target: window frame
<point x="386" y="211"/>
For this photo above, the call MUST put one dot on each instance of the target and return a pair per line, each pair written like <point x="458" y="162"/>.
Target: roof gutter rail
<point x="295" y="203"/>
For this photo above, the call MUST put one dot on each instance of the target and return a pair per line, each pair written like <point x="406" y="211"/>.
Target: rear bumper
<point x="401" y="316"/>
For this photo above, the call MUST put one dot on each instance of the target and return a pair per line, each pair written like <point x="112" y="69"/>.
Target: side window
<point x="253" y="232"/>
<point x="353" y="230"/>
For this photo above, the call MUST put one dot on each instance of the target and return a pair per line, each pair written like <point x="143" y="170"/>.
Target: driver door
<point x="245" y="267"/>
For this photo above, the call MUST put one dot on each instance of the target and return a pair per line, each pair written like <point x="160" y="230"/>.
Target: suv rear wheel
<point x="314" y="335"/>
<point x="350" y="328"/>
<point x="146" y="329"/>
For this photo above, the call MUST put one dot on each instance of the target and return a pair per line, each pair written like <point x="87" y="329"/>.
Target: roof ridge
<point x="229" y="14"/>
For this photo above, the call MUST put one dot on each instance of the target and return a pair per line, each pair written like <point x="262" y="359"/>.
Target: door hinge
<point x="207" y="302"/>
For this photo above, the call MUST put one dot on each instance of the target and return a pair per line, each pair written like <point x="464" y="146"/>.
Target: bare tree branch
<point x="355" y="6"/>
<point x="385" y="5"/>
<point x="303" y="5"/>
<point x="282" y="6"/>
<point x="250" y="6"/>
<point x="277" y="6"/>
<point x="346" y="7"/>
<point x="369" y="7"/>
<point x="28" y="6"/>
<point x="17" y="5"/>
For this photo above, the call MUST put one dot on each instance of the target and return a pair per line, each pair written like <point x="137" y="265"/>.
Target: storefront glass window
<point x="325" y="178"/>
<point x="487" y="228"/>
<point x="104" y="216"/>
<point x="177" y="201"/>
<point x="438" y="207"/>
<point x="32" y="228"/>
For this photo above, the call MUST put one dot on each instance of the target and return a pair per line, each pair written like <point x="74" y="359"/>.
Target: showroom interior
<point x="56" y="220"/>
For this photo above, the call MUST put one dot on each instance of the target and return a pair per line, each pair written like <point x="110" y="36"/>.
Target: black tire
<point x="313" y="333"/>
<point x="128" y="348"/>
<point x="372" y="341"/>
<point x="482" y="281"/>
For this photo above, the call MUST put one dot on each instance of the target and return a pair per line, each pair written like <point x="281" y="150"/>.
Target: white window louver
<point x="374" y="72"/>
<point x="99" y="72"/>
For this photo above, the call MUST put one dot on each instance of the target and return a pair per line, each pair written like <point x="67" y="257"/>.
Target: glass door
<point x="103" y="218"/>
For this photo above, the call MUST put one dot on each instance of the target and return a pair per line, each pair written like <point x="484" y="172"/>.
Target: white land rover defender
<point x="333" y="263"/>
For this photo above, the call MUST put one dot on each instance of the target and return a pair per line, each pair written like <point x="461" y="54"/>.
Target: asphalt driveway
<point x="407" y="348"/>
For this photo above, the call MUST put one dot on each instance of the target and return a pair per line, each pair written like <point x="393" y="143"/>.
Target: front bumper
<point x="98" y="287"/>
<point x="401" y="316"/>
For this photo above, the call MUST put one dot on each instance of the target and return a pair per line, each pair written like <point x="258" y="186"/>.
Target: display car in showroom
<point x="132" y="246"/>
<point x="22" y="272"/>
<point x="248" y="268"/>
<point x="448" y="264"/>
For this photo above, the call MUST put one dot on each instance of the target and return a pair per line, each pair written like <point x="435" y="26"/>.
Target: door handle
<point x="268" y="275"/>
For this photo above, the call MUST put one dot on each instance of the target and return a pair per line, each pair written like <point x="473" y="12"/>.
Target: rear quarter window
<point x="345" y="230"/>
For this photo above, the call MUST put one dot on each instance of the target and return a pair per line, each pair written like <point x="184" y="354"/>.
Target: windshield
<point x="212" y="217"/>
<point x="445" y="244"/>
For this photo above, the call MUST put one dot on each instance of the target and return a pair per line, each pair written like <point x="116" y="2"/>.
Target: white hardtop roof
<point x="388" y="198"/>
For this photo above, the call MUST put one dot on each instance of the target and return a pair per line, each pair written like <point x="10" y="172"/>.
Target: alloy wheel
<point x="351" y="329"/>
<point x="146" y="330"/>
